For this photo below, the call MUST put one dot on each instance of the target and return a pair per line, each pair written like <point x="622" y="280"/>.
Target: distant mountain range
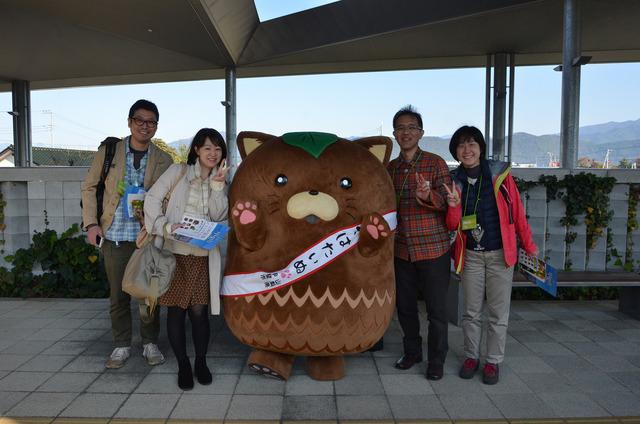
<point x="622" y="138"/>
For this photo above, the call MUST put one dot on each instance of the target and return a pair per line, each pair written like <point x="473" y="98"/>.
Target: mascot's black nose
<point x="313" y="192"/>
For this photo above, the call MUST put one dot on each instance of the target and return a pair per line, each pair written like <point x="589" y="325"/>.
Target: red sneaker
<point x="490" y="373"/>
<point x="469" y="368"/>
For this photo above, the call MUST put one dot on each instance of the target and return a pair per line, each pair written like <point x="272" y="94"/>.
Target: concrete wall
<point x="30" y="191"/>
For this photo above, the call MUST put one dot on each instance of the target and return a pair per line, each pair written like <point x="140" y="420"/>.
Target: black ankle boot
<point x="202" y="371"/>
<point x="185" y="375"/>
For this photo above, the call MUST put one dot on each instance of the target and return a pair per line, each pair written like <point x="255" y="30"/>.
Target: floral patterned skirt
<point x="190" y="284"/>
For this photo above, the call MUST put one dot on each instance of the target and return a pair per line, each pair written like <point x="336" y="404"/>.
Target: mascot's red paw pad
<point x="246" y="211"/>
<point x="375" y="228"/>
<point x="267" y="372"/>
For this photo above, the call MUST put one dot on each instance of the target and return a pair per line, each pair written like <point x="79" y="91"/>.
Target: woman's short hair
<point x="463" y="134"/>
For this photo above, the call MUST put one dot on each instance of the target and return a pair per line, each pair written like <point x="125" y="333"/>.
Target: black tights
<point x="199" y="317"/>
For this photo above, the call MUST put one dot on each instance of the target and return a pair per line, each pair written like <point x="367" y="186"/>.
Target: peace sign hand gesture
<point x="221" y="173"/>
<point x="453" y="199"/>
<point x="423" y="188"/>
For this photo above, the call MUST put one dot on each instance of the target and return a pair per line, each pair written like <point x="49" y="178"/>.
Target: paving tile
<point x="454" y="384"/>
<point x="51" y="334"/>
<point x="254" y="384"/>
<point x="534" y="316"/>
<point x="629" y="379"/>
<point x="79" y="335"/>
<point x="67" y="322"/>
<point x="255" y="407"/>
<point x="520" y="405"/>
<point x="309" y="408"/>
<point x="222" y="384"/>
<point x="159" y="383"/>
<point x="632" y="334"/>
<point x="586" y="348"/>
<point x="530" y="336"/>
<point x="548" y="348"/>
<point x="148" y="406"/>
<point x="86" y="363"/>
<point x="192" y="406"/>
<point x="10" y="362"/>
<point x="92" y="405"/>
<point x="621" y="348"/>
<point x="612" y="363"/>
<point x="547" y="383"/>
<point x="471" y="405"/>
<point x="66" y="348"/>
<point x="602" y="336"/>
<point x="516" y="348"/>
<point x="363" y="408"/>
<point x="42" y="405"/>
<point x="406" y="407"/>
<point x="24" y="381"/>
<point x="567" y="335"/>
<point x="303" y="385"/>
<point x="615" y="324"/>
<point x="27" y="347"/>
<point x="566" y="364"/>
<point x="395" y="384"/>
<point x="583" y="325"/>
<point x="68" y="382"/>
<point x="9" y="399"/>
<point x="359" y="385"/>
<point x="591" y="315"/>
<point x="226" y="365"/>
<point x="116" y="383"/>
<point x="360" y="365"/>
<point x="97" y="324"/>
<point x="573" y="405"/>
<point x="620" y="404"/>
<point x="531" y="364"/>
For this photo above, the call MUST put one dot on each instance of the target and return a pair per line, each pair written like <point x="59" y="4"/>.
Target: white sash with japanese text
<point x="310" y="261"/>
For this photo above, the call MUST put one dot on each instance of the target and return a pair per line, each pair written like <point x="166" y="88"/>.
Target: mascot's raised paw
<point x="248" y="230"/>
<point x="374" y="233"/>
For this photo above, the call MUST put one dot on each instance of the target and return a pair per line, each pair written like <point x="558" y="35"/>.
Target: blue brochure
<point x="200" y="232"/>
<point x="539" y="272"/>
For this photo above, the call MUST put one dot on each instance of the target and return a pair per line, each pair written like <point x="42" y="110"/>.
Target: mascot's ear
<point x="379" y="146"/>
<point x="248" y="141"/>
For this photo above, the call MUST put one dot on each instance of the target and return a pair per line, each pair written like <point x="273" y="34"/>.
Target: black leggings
<point x="199" y="317"/>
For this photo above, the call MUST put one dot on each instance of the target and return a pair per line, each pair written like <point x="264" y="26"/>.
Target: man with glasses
<point x="136" y="165"/>
<point x="422" y="261"/>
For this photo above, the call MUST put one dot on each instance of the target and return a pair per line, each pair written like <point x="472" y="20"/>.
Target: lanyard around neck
<point x="475" y="208"/>
<point x="413" y="164"/>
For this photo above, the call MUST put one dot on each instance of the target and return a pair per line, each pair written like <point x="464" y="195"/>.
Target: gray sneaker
<point x="118" y="357"/>
<point x="152" y="354"/>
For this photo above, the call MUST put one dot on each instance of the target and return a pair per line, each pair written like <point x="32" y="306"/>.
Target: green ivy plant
<point x="71" y="268"/>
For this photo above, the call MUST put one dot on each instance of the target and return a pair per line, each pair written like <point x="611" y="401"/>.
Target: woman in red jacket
<point x="486" y="212"/>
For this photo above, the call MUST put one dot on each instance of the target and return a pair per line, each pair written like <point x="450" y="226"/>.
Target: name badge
<point x="469" y="222"/>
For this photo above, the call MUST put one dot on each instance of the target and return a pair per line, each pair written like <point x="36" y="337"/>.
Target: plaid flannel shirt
<point x="422" y="232"/>
<point x="124" y="228"/>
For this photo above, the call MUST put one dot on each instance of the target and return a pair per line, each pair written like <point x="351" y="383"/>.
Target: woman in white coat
<point x="198" y="190"/>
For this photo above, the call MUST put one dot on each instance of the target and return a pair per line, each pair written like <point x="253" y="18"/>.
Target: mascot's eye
<point x="345" y="182"/>
<point x="281" y="180"/>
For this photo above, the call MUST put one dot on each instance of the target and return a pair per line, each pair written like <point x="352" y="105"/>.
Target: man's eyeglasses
<point x="410" y="128"/>
<point x="140" y="122"/>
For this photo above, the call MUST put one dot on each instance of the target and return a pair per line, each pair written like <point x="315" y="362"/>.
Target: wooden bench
<point x="629" y="283"/>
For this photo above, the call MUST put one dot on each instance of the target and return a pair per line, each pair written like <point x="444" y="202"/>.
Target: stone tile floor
<point x="565" y="361"/>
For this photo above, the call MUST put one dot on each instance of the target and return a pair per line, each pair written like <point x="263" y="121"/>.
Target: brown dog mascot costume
<point x="310" y="259"/>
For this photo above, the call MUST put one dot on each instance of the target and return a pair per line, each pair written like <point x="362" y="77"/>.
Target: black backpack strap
<point x="110" y="151"/>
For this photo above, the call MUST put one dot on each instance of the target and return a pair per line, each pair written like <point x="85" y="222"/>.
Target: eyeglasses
<point x="140" y="122"/>
<point x="410" y="128"/>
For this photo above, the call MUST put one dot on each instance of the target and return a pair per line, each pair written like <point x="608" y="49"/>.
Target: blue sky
<point x="355" y="104"/>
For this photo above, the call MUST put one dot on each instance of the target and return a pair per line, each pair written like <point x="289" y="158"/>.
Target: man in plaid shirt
<point x="422" y="260"/>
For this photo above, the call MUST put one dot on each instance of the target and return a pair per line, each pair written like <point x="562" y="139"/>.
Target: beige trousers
<point x="485" y="275"/>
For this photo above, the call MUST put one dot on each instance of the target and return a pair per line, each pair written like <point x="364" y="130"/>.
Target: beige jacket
<point x="155" y="220"/>
<point x="157" y="163"/>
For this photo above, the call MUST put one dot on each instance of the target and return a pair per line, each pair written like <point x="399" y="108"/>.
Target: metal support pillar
<point x="21" y="123"/>
<point x="512" y="78"/>
<point x="233" y="155"/>
<point x="499" y="105"/>
<point x="487" y="105"/>
<point x="570" y="113"/>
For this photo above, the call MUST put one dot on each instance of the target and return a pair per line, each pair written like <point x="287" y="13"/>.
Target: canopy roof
<point x="63" y="43"/>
